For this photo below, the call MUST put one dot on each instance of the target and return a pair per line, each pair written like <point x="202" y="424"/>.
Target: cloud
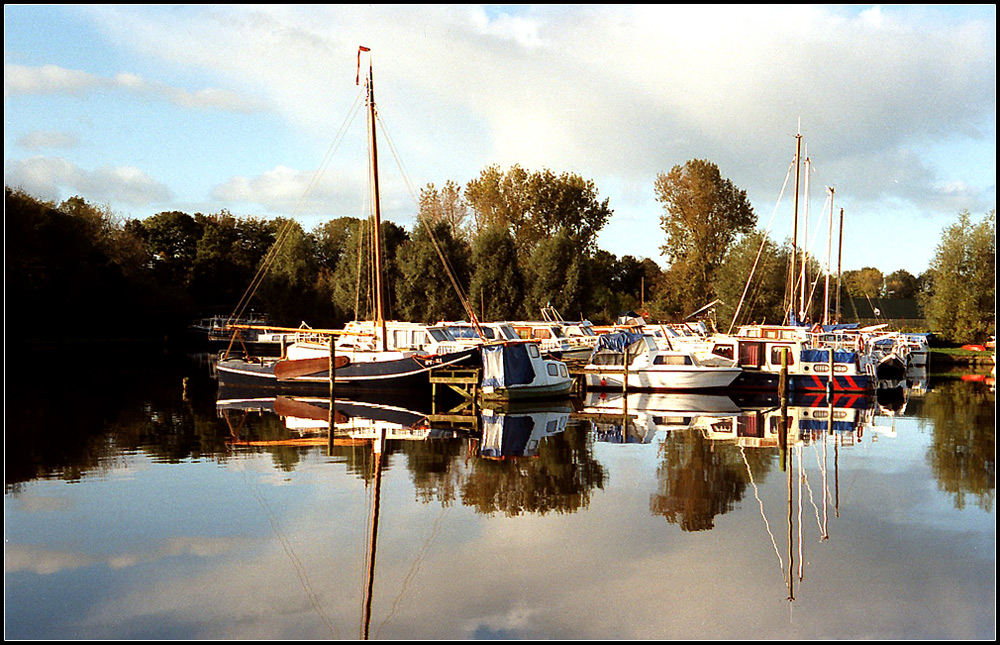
<point x="40" y="139"/>
<point x="51" y="79"/>
<point x="54" y="178"/>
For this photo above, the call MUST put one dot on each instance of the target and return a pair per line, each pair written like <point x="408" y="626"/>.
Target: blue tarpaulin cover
<point x="823" y="356"/>
<point x="618" y="341"/>
<point x="506" y="365"/>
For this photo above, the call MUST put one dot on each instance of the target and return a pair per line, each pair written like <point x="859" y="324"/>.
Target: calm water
<point x="137" y="507"/>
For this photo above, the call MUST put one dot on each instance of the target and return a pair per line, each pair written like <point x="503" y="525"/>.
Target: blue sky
<point x="202" y="108"/>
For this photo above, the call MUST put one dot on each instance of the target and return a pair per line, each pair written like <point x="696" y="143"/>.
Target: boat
<point x="763" y="351"/>
<point x="518" y="434"/>
<point x="517" y="371"/>
<point x="568" y="341"/>
<point x="375" y="356"/>
<point x="630" y="361"/>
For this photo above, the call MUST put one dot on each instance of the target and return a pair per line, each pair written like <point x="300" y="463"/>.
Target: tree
<point x="558" y="276"/>
<point x="445" y="205"/>
<point x="172" y="238"/>
<point x="425" y="291"/>
<point x="535" y="206"/>
<point x="864" y="283"/>
<point x="703" y="214"/>
<point x="901" y="284"/>
<point x="497" y="285"/>
<point x="751" y="282"/>
<point x="960" y="301"/>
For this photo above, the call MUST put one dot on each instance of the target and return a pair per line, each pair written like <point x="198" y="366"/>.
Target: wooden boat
<point x="372" y="357"/>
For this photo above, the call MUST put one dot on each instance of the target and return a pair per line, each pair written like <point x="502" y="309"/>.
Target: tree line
<point x="503" y="246"/>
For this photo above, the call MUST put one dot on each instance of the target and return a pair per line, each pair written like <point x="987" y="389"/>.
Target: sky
<point x="248" y="109"/>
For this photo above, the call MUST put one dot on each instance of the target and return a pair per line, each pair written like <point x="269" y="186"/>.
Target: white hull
<point x="665" y="378"/>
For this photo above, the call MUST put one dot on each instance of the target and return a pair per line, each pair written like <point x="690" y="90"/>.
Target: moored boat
<point x="625" y="360"/>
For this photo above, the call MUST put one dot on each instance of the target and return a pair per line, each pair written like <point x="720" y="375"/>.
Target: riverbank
<point x="955" y="357"/>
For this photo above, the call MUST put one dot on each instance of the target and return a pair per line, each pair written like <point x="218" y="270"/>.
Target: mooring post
<point x="333" y="413"/>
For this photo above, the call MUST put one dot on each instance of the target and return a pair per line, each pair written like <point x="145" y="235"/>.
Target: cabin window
<point x="609" y="358"/>
<point x="542" y="334"/>
<point x="821" y="367"/>
<point x="533" y="350"/>
<point x="672" y="359"/>
<point x="399" y="339"/>
<point x="439" y="335"/>
<point x="725" y="351"/>
<point x="553" y="369"/>
<point x="563" y="372"/>
<point x="840" y="368"/>
<point x="776" y="355"/>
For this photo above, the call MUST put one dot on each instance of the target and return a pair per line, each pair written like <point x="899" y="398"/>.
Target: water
<point x="136" y="508"/>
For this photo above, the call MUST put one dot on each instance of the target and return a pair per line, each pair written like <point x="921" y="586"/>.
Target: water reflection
<point x="645" y="488"/>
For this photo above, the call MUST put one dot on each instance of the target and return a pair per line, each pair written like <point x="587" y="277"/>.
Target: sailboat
<point x="377" y="356"/>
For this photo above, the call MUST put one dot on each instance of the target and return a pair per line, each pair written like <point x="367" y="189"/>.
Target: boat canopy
<point x="823" y="355"/>
<point x="506" y="365"/>
<point x="618" y="341"/>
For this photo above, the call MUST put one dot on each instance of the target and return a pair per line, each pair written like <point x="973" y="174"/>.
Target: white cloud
<point x="50" y="79"/>
<point x="54" y="178"/>
<point x="40" y="139"/>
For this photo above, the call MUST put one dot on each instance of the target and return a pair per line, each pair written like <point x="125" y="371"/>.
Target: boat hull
<point x="411" y="374"/>
<point x="770" y="381"/>
<point x="660" y="380"/>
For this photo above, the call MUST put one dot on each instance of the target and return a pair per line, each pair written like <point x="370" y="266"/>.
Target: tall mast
<point x="376" y="214"/>
<point x="829" y="251"/>
<point x="805" y="247"/>
<point x="795" y="225"/>
<point x="840" y="252"/>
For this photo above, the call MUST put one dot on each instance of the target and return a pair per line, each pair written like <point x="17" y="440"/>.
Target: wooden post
<point x="829" y="382"/>
<point x="783" y="420"/>
<point x="333" y="413"/>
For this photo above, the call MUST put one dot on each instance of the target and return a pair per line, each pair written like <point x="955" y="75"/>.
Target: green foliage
<point x="864" y="283"/>
<point x="703" y="214"/>
<point x="424" y="290"/>
<point x="960" y="299"/>
<point x="559" y="276"/>
<point x="535" y="206"/>
<point x="497" y="286"/>
<point x="751" y="282"/>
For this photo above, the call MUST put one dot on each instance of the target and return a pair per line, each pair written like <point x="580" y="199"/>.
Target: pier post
<point x="783" y="420"/>
<point x="333" y="413"/>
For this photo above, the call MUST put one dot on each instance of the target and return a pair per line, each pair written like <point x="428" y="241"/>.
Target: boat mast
<point x="840" y="252"/>
<point x="805" y="247"/>
<point x="376" y="214"/>
<point x="795" y="225"/>
<point x="829" y="253"/>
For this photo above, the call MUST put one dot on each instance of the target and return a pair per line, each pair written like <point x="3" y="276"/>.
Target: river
<point x="139" y="506"/>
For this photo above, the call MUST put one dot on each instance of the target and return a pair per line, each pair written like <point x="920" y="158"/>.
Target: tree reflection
<point x="559" y="478"/>
<point x="699" y="479"/>
<point x="963" y="449"/>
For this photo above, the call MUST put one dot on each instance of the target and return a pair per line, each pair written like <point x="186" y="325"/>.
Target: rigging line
<point x="767" y="525"/>
<point x="272" y="253"/>
<point x="763" y="242"/>
<point x="286" y="546"/>
<point x="819" y="522"/>
<point x="449" y="270"/>
<point x="801" y="478"/>
<point x="414" y="568"/>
